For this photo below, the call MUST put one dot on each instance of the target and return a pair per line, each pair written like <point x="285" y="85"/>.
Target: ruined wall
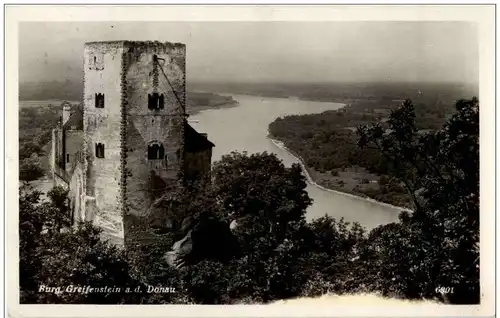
<point x="145" y="180"/>
<point x="59" y="176"/>
<point x="73" y="144"/>
<point x="58" y="147"/>
<point x="76" y="194"/>
<point x="53" y="153"/>
<point x="102" y="68"/>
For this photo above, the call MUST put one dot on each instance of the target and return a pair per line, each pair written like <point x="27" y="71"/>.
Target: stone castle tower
<point x="136" y="139"/>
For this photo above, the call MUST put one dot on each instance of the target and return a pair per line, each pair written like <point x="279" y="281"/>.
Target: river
<point x="244" y="128"/>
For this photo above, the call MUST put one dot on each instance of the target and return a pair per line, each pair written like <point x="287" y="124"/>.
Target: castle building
<point x="130" y="139"/>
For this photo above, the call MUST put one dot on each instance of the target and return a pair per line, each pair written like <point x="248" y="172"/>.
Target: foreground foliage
<point x="440" y="171"/>
<point x="280" y="255"/>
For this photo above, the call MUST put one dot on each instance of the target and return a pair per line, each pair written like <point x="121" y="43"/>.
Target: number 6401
<point x="444" y="290"/>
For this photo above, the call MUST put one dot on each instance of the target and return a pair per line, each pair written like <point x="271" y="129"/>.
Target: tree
<point x="30" y="169"/>
<point x="53" y="254"/>
<point x="28" y="149"/>
<point x="266" y="203"/>
<point x="60" y="213"/>
<point x="260" y="187"/>
<point x="270" y="200"/>
<point x="440" y="171"/>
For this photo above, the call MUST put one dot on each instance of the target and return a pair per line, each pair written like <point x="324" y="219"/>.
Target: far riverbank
<point x="311" y="180"/>
<point x="199" y="101"/>
<point x="198" y="109"/>
<point x="326" y="143"/>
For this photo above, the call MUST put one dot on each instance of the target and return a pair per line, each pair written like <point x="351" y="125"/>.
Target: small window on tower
<point x="151" y="100"/>
<point x="155" y="101"/>
<point x="92" y="61"/>
<point x="99" y="150"/>
<point x="156" y="151"/>
<point x="96" y="61"/>
<point x="67" y="157"/>
<point x="99" y="100"/>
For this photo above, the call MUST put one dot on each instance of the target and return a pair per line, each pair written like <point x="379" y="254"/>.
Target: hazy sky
<point x="270" y="51"/>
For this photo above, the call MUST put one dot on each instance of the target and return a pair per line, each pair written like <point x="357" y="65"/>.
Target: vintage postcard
<point x="285" y="161"/>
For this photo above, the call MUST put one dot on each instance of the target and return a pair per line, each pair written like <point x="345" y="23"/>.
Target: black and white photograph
<point x="251" y="162"/>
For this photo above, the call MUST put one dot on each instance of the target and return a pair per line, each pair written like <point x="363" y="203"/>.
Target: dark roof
<point x="194" y="141"/>
<point x="75" y="120"/>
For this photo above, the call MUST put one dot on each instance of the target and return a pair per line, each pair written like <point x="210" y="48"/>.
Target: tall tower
<point x="134" y="121"/>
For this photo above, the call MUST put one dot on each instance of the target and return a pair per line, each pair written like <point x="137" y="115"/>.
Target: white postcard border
<point x="482" y="15"/>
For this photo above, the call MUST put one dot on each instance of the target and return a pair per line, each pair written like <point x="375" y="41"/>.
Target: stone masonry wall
<point x="75" y="194"/>
<point x="124" y="182"/>
<point x="145" y="179"/>
<point x="102" y="125"/>
<point x="53" y="152"/>
<point x="73" y="144"/>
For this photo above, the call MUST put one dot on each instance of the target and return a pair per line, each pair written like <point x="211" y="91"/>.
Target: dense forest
<point x="275" y="253"/>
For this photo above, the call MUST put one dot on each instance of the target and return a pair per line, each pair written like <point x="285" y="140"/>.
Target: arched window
<point x="99" y="100"/>
<point x="155" y="101"/>
<point x="156" y="151"/>
<point x="99" y="150"/>
<point x="151" y="100"/>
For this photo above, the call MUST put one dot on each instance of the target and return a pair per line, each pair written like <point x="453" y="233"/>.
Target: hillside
<point x="327" y="142"/>
<point x="51" y="90"/>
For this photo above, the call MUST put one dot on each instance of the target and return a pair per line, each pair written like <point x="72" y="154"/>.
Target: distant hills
<point x="64" y="90"/>
<point x="73" y="90"/>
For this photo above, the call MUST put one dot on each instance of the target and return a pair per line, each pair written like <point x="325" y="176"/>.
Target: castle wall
<point x="102" y="125"/>
<point x="53" y="152"/>
<point x="57" y="156"/>
<point x="73" y="146"/>
<point x="58" y="147"/>
<point x="145" y="179"/>
<point x="75" y="194"/>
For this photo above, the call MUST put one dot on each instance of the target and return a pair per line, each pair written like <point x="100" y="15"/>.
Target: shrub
<point x="30" y="169"/>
